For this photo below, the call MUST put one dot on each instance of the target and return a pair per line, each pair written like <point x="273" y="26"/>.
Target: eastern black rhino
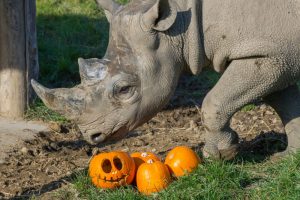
<point x="254" y="44"/>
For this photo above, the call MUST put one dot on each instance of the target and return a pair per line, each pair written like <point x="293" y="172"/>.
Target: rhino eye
<point x="124" y="90"/>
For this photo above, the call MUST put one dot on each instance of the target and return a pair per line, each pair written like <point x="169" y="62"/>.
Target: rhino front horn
<point x="44" y="93"/>
<point x="68" y="102"/>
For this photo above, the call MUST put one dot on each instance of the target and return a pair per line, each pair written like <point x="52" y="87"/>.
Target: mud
<point x="50" y="160"/>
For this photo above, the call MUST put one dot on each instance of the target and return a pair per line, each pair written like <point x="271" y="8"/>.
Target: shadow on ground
<point x="262" y="147"/>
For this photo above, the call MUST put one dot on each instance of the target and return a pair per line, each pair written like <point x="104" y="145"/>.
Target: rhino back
<point x="242" y="28"/>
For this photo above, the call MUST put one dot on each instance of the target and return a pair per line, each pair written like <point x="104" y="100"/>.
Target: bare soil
<point x="50" y="160"/>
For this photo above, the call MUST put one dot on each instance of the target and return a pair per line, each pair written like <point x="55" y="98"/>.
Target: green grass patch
<point x="248" y="107"/>
<point x="216" y="180"/>
<point x="67" y="30"/>
<point x="279" y="181"/>
<point x="38" y="111"/>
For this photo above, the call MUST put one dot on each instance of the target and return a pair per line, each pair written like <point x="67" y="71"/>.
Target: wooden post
<point x="18" y="56"/>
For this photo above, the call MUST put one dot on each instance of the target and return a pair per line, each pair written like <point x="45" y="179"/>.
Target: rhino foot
<point x="222" y="149"/>
<point x="222" y="154"/>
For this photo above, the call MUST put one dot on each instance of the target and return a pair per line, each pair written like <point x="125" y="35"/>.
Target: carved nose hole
<point x="106" y="166"/>
<point x="118" y="163"/>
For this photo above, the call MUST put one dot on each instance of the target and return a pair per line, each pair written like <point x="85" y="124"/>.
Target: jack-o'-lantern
<point x="111" y="170"/>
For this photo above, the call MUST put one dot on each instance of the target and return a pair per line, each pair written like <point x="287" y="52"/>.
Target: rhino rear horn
<point x="109" y="6"/>
<point x="67" y="102"/>
<point x="92" y="69"/>
<point x="161" y="16"/>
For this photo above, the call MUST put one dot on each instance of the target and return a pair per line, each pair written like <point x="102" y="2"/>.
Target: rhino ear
<point x="109" y="6"/>
<point x="161" y="16"/>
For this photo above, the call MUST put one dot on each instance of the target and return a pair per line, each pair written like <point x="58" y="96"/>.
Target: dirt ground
<point x="50" y="160"/>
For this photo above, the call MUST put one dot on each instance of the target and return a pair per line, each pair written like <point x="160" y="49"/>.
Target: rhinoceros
<point x="255" y="45"/>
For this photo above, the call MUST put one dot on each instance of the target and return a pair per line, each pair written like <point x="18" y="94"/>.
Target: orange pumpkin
<point x="111" y="170"/>
<point x="140" y="158"/>
<point x="181" y="160"/>
<point x="152" y="176"/>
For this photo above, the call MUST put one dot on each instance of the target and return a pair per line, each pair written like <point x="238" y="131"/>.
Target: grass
<point x="248" y="107"/>
<point x="67" y="30"/>
<point x="40" y="112"/>
<point x="274" y="180"/>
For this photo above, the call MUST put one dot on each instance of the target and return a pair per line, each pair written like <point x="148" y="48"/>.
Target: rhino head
<point x="136" y="77"/>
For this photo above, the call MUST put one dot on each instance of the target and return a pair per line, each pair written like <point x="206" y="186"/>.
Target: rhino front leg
<point x="243" y="82"/>
<point x="287" y="104"/>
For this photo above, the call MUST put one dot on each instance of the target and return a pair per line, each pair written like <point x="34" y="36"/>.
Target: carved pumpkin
<point x="111" y="170"/>
<point x="182" y="160"/>
<point x="140" y="158"/>
<point x="152" y="176"/>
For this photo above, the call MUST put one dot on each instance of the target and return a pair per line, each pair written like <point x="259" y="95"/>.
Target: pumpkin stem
<point x="150" y="161"/>
<point x="144" y="155"/>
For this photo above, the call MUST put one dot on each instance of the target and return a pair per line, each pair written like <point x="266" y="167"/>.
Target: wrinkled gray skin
<point x="254" y="44"/>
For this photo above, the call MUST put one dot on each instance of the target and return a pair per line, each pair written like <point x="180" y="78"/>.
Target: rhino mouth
<point x="115" y="135"/>
<point x="98" y="138"/>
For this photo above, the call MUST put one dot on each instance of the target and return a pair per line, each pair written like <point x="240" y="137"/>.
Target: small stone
<point x="269" y="112"/>
<point x="153" y="150"/>
<point x="54" y="127"/>
<point x="193" y="124"/>
<point x="254" y="117"/>
<point x="24" y="150"/>
<point x="274" y="121"/>
<point x="69" y="173"/>
<point x="2" y="162"/>
<point x="138" y="143"/>
<point x="263" y="107"/>
<point x="125" y="149"/>
<point x="54" y="146"/>
<point x="243" y="128"/>
<point x="95" y="151"/>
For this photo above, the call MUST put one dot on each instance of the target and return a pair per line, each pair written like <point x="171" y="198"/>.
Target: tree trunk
<point x="18" y="56"/>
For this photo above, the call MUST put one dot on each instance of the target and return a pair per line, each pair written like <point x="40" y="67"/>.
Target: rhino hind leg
<point x="287" y="104"/>
<point x="243" y="82"/>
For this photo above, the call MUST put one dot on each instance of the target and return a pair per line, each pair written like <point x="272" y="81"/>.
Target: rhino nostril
<point x="98" y="137"/>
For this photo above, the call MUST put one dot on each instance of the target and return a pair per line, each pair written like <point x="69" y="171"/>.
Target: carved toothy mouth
<point x="118" y="180"/>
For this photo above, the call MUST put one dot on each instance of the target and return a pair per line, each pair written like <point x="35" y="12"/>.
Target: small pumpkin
<point x="142" y="157"/>
<point x="152" y="176"/>
<point x="111" y="170"/>
<point x="182" y="160"/>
